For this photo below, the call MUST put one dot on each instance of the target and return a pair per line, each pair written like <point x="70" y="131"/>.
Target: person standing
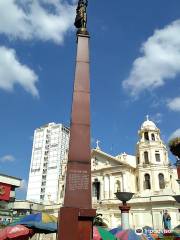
<point x="166" y="220"/>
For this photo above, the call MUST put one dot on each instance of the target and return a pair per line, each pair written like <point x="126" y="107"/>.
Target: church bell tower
<point x="153" y="169"/>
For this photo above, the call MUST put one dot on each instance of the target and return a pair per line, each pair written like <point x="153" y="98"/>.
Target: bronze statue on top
<point x="81" y="16"/>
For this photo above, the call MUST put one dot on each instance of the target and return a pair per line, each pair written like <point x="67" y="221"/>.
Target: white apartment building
<point x="50" y="146"/>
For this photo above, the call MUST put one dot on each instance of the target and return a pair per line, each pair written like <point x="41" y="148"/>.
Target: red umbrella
<point x="18" y="232"/>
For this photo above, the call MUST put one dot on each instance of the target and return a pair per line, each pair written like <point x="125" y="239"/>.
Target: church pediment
<point x="102" y="160"/>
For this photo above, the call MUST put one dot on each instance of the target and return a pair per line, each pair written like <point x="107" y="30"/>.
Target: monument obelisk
<point x="76" y="216"/>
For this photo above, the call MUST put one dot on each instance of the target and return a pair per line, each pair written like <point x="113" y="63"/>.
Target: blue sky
<point x="135" y="71"/>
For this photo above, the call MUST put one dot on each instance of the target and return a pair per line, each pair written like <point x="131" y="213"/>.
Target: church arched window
<point x="147" y="183"/>
<point x="157" y="156"/>
<point x="96" y="189"/>
<point x="152" y="137"/>
<point x="137" y="159"/>
<point x="146" y="136"/>
<point x="146" y="157"/>
<point x="137" y="184"/>
<point x="62" y="192"/>
<point x="161" y="181"/>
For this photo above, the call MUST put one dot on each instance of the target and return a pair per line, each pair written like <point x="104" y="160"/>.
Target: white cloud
<point x="12" y="72"/>
<point x="174" y="104"/>
<point x="176" y="133"/>
<point x="160" y="60"/>
<point x="7" y="158"/>
<point x="36" y="19"/>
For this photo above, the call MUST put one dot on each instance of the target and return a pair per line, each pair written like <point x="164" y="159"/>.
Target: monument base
<point x="125" y="216"/>
<point x="75" y="223"/>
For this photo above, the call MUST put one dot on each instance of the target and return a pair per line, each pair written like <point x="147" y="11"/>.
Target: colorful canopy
<point x="115" y="230"/>
<point x="101" y="234"/>
<point x="40" y="222"/>
<point x="17" y="232"/>
<point x="128" y="234"/>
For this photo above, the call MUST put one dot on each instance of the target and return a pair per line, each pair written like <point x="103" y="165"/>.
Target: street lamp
<point x="124" y="197"/>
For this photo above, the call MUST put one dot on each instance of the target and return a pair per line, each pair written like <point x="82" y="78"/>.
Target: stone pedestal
<point x="125" y="216"/>
<point x="75" y="223"/>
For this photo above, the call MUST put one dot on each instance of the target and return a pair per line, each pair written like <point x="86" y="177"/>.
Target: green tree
<point x="174" y="146"/>
<point x="98" y="221"/>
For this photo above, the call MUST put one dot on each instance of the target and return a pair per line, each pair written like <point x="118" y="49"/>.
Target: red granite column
<point x="76" y="216"/>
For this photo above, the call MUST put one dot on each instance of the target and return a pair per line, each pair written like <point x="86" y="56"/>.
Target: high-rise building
<point x="50" y="146"/>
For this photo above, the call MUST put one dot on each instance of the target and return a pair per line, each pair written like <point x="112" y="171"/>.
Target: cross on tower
<point x="147" y="117"/>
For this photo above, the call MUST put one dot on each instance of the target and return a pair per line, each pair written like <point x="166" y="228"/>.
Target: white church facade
<point x="148" y="174"/>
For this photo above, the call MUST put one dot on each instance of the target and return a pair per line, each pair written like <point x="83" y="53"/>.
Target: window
<point x="137" y="184"/>
<point x="96" y="189"/>
<point x="95" y="161"/>
<point x="43" y="183"/>
<point x="52" y="167"/>
<point x="53" y="152"/>
<point x="147" y="183"/>
<point x="137" y="159"/>
<point x="42" y="197"/>
<point x="146" y="136"/>
<point x="152" y="137"/>
<point x="146" y="158"/>
<point x="33" y="170"/>
<point x="62" y="192"/>
<point x="157" y="156"/>
<point x="161" y="181"/>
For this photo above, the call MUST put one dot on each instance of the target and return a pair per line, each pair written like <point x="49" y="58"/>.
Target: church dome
<point x="148" y="125"/>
